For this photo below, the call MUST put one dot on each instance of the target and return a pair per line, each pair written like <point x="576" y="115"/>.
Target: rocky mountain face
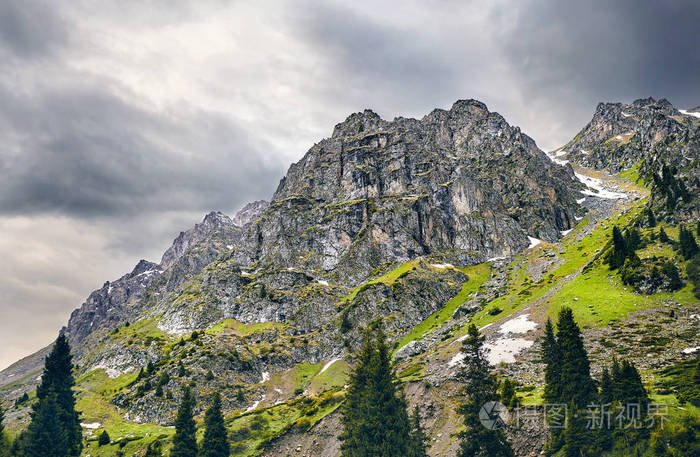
<point x="376" y="192"/>
<point x="646" y="135"/>
<point x="250" y="212"/>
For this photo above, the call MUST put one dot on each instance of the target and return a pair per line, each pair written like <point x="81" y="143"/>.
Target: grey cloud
<point x="84" y="151"/>
<point x="31" y="28"/>
<point x="607" y="50"/>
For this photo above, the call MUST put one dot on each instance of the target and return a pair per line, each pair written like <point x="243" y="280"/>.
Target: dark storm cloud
<point x="30" y="28"/>
<point x="607" y="50"/>
<point x="84" y="151"/>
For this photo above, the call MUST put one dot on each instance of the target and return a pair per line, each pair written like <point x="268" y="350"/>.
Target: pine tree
<point x="576" y="436"/>
<point x="616" y="257"/>
<point x="45" y="436"/>
<point x="606" y="387"/>
<point x="662" y="236"/>
<point x="154" y="450"/>
<point x="576" y="382"/>
<point x="185" y="441"/>
<point x="508" y="397"/>
<point x="687" y="243"/>
<point x="55" y="394"/>
<point x="418" y="439"/>
<point x="375" y="420"/>
<point x="551" y="356"/>
<point x="481" y="388"/>
<point x="651" y="220"/>
<point x="103" y="439"/>
<point x="215" y="442"/>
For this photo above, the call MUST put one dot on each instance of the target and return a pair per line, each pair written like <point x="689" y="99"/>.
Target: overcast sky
<point x="124" y="122"/>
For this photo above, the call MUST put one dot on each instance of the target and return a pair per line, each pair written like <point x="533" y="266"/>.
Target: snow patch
<point x="442" y="266"/>
<point x="229" y="246"/>
<point x="493" y="259"/>
<point x="265" y="376"/>
<point x="328" y="365"/>
<point x="322" y="282"/>
<point x="683" y="111"/>
<point x="246" y="273"/>
<point x="691" y="350"/>
<point x="255" y="405"/>
<point x="579" y="218"/>
<point x="618" y="137"/>
<point x="581" y="200"/>
<point x="625" y="114"/>
<point x="565" y="232"/>
<point x="456" y="359"/>
<point x="533" y="242"/>
<point x="596" y="184"/>
<point x="518" y="325"/>
<point x="505" y="349"/>
<point x="91" y="425"/>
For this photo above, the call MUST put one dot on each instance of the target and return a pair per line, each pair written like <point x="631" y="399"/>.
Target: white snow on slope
<point x="581" y="200"/>
<point x="91" y="425"/>
<point x="683" y="111"/>
<point x="625" y="114"/>
<point x="265" y="377"/>
<point x="691" y="350"/>
<point x="493" y="259"/>
<point x="518" y="325"/>
<point x="533" y="242"/>
<point x="505" y="349"/>
<point x="442" y="266"/>
<point x="596" y="184"/>
<point x="255" y="405"/>
<point x="565" y="232"/>
<point x="322" y="282"/>
<point x="328" y="365"/>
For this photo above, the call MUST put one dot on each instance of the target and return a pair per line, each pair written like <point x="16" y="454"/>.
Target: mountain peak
<point x="357" y="123"/>
<point x="249" y="212"/>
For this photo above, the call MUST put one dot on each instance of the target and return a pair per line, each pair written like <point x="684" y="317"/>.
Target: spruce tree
<point x="45" y="436"/>
<point x="418" y="439"/>
<point x="576" y="382"/>
<point x="616" y="257"/>
<point x="103" y="439"/>
<point x="215" y="442"/>
<point x="154" y="450"/>
<point x="551" y="356"/>
<point x="576" y="436"/>
<point x="651" y="220"/>
<point x="185" y="441"/>
<point x="481" y="387"/>
<point x="687" y="243"/>
<point x="662" y="236"/>
<point x="55" y="393"/>
<point x="375" y="420"/>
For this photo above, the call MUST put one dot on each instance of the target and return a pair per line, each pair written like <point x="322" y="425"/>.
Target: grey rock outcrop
<point x="250" y="212"/>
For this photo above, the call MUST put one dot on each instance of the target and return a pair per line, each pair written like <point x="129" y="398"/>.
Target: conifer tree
<point x="481" y="388"/>
<point x="375" y="420"/>
<point x="651" y="220"/>
<point x="616" y="257"/>
<point x="103" y="439"/>
<point x="45" y="436"/>
<point x="185" y="441"/>
<point x="662" y="236"/>
<point x="687" y="243"/>
<point x="154" y="450"/>
<point x="55" y="394"/>
<point x="576" y="382"/>
<point x="576" y="436"/>
<point x="215" y="442"/>
<point x="551" y="356"/>
<point x="418" y="439"/>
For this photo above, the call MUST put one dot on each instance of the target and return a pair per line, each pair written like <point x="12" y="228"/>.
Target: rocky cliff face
<point x="646" y="135"/>
<point x="250" y="212"/>
<point x="462" y="181"/>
